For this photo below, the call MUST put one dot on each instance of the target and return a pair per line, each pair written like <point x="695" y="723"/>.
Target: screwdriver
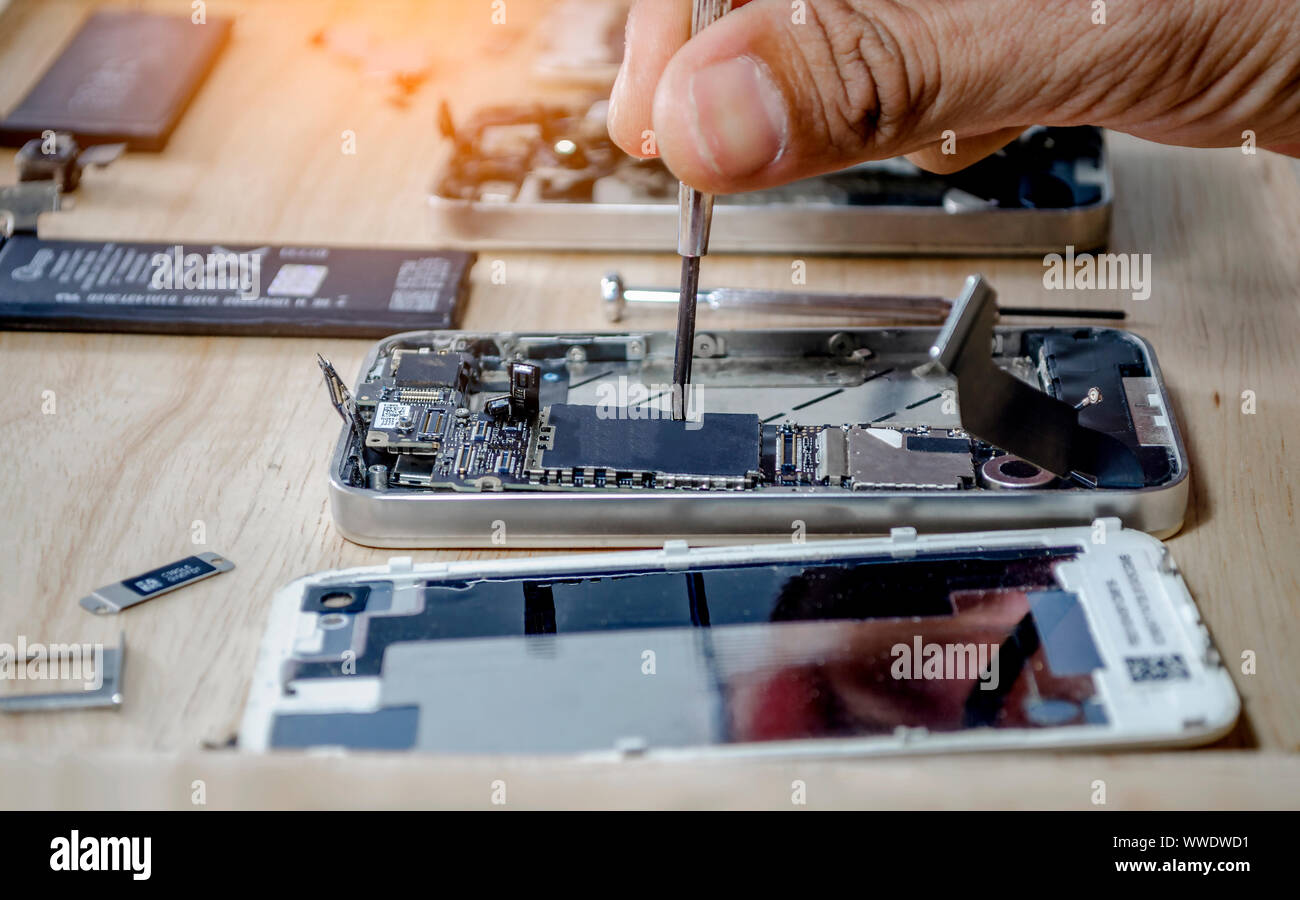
<point x="694" y="215"/>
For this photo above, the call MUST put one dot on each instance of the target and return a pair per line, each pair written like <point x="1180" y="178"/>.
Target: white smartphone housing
<point x="1114" y="655"/>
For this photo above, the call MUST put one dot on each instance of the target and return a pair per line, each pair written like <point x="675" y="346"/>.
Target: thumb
<point x="776" y="91"/>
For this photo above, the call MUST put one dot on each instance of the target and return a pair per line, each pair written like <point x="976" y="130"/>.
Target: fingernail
<point x="740" y="116"/>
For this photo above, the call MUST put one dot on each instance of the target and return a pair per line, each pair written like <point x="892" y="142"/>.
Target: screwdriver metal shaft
<point x="694" y="215"/>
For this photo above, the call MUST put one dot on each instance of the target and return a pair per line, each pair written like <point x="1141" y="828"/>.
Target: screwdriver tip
<point x="684" y="348"/>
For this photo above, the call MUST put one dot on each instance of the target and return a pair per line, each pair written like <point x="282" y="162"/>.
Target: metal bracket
<point x="107" y="696"/>
<point x="1000" y="409"/>
<point x="64" y="162"/>
<point x="21" y="204"/>
<point x="43" y="179"/>
<point x="120" y="595"/>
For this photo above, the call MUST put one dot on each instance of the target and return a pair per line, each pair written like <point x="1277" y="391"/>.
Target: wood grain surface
<point x="151" y="435"/>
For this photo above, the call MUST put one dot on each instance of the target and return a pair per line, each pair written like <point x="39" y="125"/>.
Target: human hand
<point x="778" y="90"/>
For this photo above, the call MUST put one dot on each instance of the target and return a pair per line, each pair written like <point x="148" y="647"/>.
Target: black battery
<point x="307" y="291"/>
<point x="127" y="76"/>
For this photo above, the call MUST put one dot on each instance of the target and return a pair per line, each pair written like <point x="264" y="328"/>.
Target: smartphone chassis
<point x="1049" y="190"/>
<point x="793" y="382"/>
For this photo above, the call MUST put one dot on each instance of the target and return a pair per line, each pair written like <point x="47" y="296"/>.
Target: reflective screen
<point x="749" y="653"/>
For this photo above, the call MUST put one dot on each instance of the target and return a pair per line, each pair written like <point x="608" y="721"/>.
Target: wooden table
<point x="153" y="434"/>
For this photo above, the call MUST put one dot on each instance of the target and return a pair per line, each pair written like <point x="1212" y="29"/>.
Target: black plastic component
<point x="1085" y="358"/>
<point x="454" y="370"/>
<point x="929" y="444"/>
<point x="342" y="599"/>
<point x="1037" y="171"/>
<point x="525" y="390"/>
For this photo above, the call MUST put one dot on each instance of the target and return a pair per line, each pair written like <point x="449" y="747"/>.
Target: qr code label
<point x="429" y="273"/>
<point x="414" y="301"/>
<point x="296" y="280"/>
<point x="1157" y="668"/>
<point x="387" y="415"/>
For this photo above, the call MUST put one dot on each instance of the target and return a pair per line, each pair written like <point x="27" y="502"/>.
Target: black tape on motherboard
<point x="49" y="285"/>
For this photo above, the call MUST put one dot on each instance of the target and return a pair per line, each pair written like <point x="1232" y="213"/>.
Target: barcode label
<point x="170" y="576"/>
<point x="387" y="415"/>
<point x="1157" y="668"/>
<point x="297" y="280"/>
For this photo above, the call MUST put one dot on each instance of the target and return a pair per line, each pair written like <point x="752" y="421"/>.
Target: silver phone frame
<point x="781" y="228"/>
<point x="773" y="228"/>
<point x="605" y="519"/>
